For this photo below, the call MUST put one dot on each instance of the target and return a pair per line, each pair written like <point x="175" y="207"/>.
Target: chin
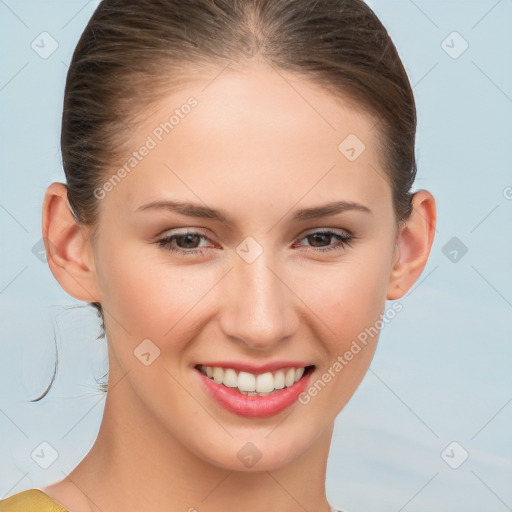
<point x="262" y="449"/>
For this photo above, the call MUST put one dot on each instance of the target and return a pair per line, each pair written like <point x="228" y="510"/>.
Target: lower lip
<point x="254" y="406"/>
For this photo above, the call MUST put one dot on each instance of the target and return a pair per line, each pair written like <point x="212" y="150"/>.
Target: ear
<point x="68" y="251"/>
<point x="414" y="242"/>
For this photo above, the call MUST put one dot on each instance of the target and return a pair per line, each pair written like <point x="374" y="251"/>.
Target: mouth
<point x="251" y="384"/>
<point x="254" y="395"/>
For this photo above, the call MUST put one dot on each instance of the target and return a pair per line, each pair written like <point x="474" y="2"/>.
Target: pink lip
<point x="254" y="406"/>
<point x="257" y="369"/>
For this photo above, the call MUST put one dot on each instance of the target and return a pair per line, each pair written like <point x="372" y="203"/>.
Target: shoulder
<point x="31" y="500"/>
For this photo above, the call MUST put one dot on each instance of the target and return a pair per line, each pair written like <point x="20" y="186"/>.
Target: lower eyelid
<point x="342" y="239"/>
<point x="167" y="240"/>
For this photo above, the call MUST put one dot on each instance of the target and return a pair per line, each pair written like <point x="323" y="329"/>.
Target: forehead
<point x="254" y="136"/>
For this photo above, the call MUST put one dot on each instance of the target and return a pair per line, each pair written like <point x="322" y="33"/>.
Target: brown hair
<point x="131" y="51"/>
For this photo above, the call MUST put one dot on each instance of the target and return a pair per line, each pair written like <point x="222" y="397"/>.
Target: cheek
<point x="352" y="306"/>
<point x="348" y="296"/>
<point x="348" y="299"/>
<point x="148" y="296"/>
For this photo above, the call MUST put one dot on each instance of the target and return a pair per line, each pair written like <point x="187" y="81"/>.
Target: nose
<point x="258" y="308"/>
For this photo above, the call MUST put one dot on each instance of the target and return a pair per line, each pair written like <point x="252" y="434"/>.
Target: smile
<point x="259" y="394"/>
<point x="251" y="384"/>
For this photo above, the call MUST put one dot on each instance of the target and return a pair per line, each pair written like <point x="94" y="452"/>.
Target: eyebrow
<point x="205" y="212"/>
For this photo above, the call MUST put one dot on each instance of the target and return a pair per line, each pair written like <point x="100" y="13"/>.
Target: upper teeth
<point x="249" y="383"/>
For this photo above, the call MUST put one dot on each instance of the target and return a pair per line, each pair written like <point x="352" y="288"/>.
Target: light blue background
<point x="442" y="368"/>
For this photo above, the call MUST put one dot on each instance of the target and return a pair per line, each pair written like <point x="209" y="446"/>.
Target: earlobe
<point x="414" y="242"/>
<point x="67" y="250"/>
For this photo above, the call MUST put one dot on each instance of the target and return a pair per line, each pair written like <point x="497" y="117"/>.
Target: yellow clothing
<point x="35" y="500"/>
<point x="31" y="500"/>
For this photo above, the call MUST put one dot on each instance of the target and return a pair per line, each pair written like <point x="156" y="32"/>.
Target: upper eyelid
<point x="336" y="231"/>
<point x="204" y="232"/>
<point x="201" y="232"/>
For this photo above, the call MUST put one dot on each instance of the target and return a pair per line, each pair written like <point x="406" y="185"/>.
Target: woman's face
<point x="255" y="155"/>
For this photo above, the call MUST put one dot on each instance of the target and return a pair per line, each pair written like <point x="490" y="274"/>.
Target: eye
<point x="319" y="238"/>
<point x="187" y="243"/>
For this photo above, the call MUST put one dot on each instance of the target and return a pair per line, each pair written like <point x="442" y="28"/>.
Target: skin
<point x="257" y="149"/>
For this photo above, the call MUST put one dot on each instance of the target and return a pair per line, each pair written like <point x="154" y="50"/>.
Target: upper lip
<point x="256" y="368"/>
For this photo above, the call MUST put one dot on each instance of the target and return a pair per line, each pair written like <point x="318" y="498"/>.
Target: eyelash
<point x="345" y="240"/>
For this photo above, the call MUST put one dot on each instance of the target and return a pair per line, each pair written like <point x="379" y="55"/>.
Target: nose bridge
<point x="259" y="313"/>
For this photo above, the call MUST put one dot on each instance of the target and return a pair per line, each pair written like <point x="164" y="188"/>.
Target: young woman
<point x="238" y="208"/>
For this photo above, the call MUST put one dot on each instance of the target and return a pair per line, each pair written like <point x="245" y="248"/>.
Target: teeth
<point x="289" y="378"/>
<point x="279" y="379"/>
<point x="230" y="378"/>
<point x="218" y="375"/>
<point x="254" y="385"/>
<point x="265" y="383"/>
<point x="299" y="372"/>
<point x="246" y="381"/>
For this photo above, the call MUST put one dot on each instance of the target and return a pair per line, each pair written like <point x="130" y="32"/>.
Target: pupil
<point x="188" y="241"/>
<point x="316" y="237"/>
